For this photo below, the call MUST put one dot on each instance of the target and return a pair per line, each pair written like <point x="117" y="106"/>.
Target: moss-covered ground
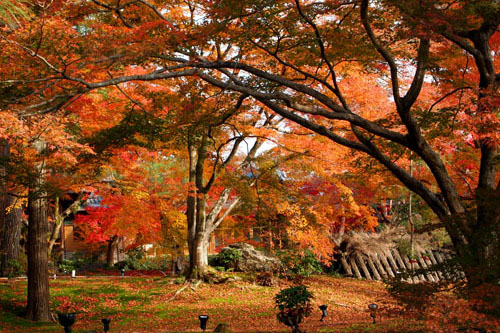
<point x="141" y="304"/>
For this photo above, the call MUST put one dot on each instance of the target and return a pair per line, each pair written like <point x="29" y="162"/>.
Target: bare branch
<point x="321" y="45"/>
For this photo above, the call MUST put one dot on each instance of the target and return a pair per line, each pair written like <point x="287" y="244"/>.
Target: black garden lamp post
<point x="66" y="320"/>
<point x="122" y="271"/>
<point x="106" y="322"/>
<point x="203" y="322"/>
<point x="324" y="313"/>
<point x="373" y="311"/>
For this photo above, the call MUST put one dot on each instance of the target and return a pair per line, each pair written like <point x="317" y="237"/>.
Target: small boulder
<point x="253" y="260"/>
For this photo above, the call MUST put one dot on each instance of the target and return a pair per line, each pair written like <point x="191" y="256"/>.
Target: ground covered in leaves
<point x="143" y="304"/>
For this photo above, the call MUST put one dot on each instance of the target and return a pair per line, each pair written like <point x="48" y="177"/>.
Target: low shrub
<point x="265" y="279"/>
<point x="180" y="279"/>
<point x="301" y="263"/>
<point x="67" y="265"/>
<point x="13" y="268"/>
<point x="294" y="304"/>
<point x="213" y="260"/>
<point x="227" y="258"/>
<point x="293" y="297"/>
<point x="137" y="260"/>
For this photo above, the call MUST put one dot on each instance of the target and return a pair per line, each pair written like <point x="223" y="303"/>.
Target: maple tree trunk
<point x="201" y="229"/>
<point x="53" y="237"/>
<point x="480" y="258"/>
<point x="198" y="259"/>
<point x="202" y="224"/>
<point x="57" y="228"/>
<point x="38" y="274"/>
<point x="194" y="269"/>
<point x="111" y="251"/>
<point x="197" y="239"/>
<point x="479" y="253"/>
<point x="10" y="221"/>
<point x="9" y="243"/>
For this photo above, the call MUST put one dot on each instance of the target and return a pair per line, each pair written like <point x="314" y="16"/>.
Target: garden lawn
<point x="141" y="304"/>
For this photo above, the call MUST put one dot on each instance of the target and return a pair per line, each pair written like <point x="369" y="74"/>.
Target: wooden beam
<point x="440" y="260"/>
<point x="388" y="268"/>
<point x="401" y="263"/>
<point x="393" y="264"/>
<point x="411" y="268"/>
<point x="373" y="268"/>
<point x="423" y="264"/>
<point x="346" y="266"/>
<point x="361" y="263"/>
<point x="355" y="267"/>
<point x="376" y="260"/>
<point x="435" y="263"/>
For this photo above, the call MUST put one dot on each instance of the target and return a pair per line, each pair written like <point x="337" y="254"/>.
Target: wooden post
<point x="441" y="261"/>
<point x="435" y="263"/>
<point x="381" y="269"/>
<point x="373" y="268"/>
<point x="412" y="267"/>
<point x="423" y="264"/>
<point x="430" y="264"/>
<point x="401" y="263"/>
<point x="395" y="254"/>
<point x="431" y="256"/>
<point x="345" y="264"/>
<point x="355" y="267"/>
<point x="392" y="262"/>
<point x="361" y="263"/>
<point x="383" y="259"/>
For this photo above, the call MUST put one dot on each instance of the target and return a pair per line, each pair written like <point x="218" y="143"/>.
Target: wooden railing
<point x="391" y="263"/>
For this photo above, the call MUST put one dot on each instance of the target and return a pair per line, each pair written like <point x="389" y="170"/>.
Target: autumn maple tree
<point x="394" y="80"/>
<point x="297" y="58"/>
<point x="139" y="198"/>
<point x="299" y="200"/>
<point x="35" y="151"/>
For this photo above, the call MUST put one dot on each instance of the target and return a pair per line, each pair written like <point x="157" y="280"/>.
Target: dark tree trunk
<point x="10" y="217"/>
<point x="481" y="260"/>
<point x="196" y="210"/>
<point x="9" y="243"/>
<point x="111" y="251"/>
<point x="38" y="274"/>
<point x="38" y="270"/>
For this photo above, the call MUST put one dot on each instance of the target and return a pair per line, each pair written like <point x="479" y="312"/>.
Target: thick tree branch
<point x="418" y="80"/>
<point x="383" y="52"/>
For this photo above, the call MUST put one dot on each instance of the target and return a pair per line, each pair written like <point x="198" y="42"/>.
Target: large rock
<point x="253" y="260"/>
